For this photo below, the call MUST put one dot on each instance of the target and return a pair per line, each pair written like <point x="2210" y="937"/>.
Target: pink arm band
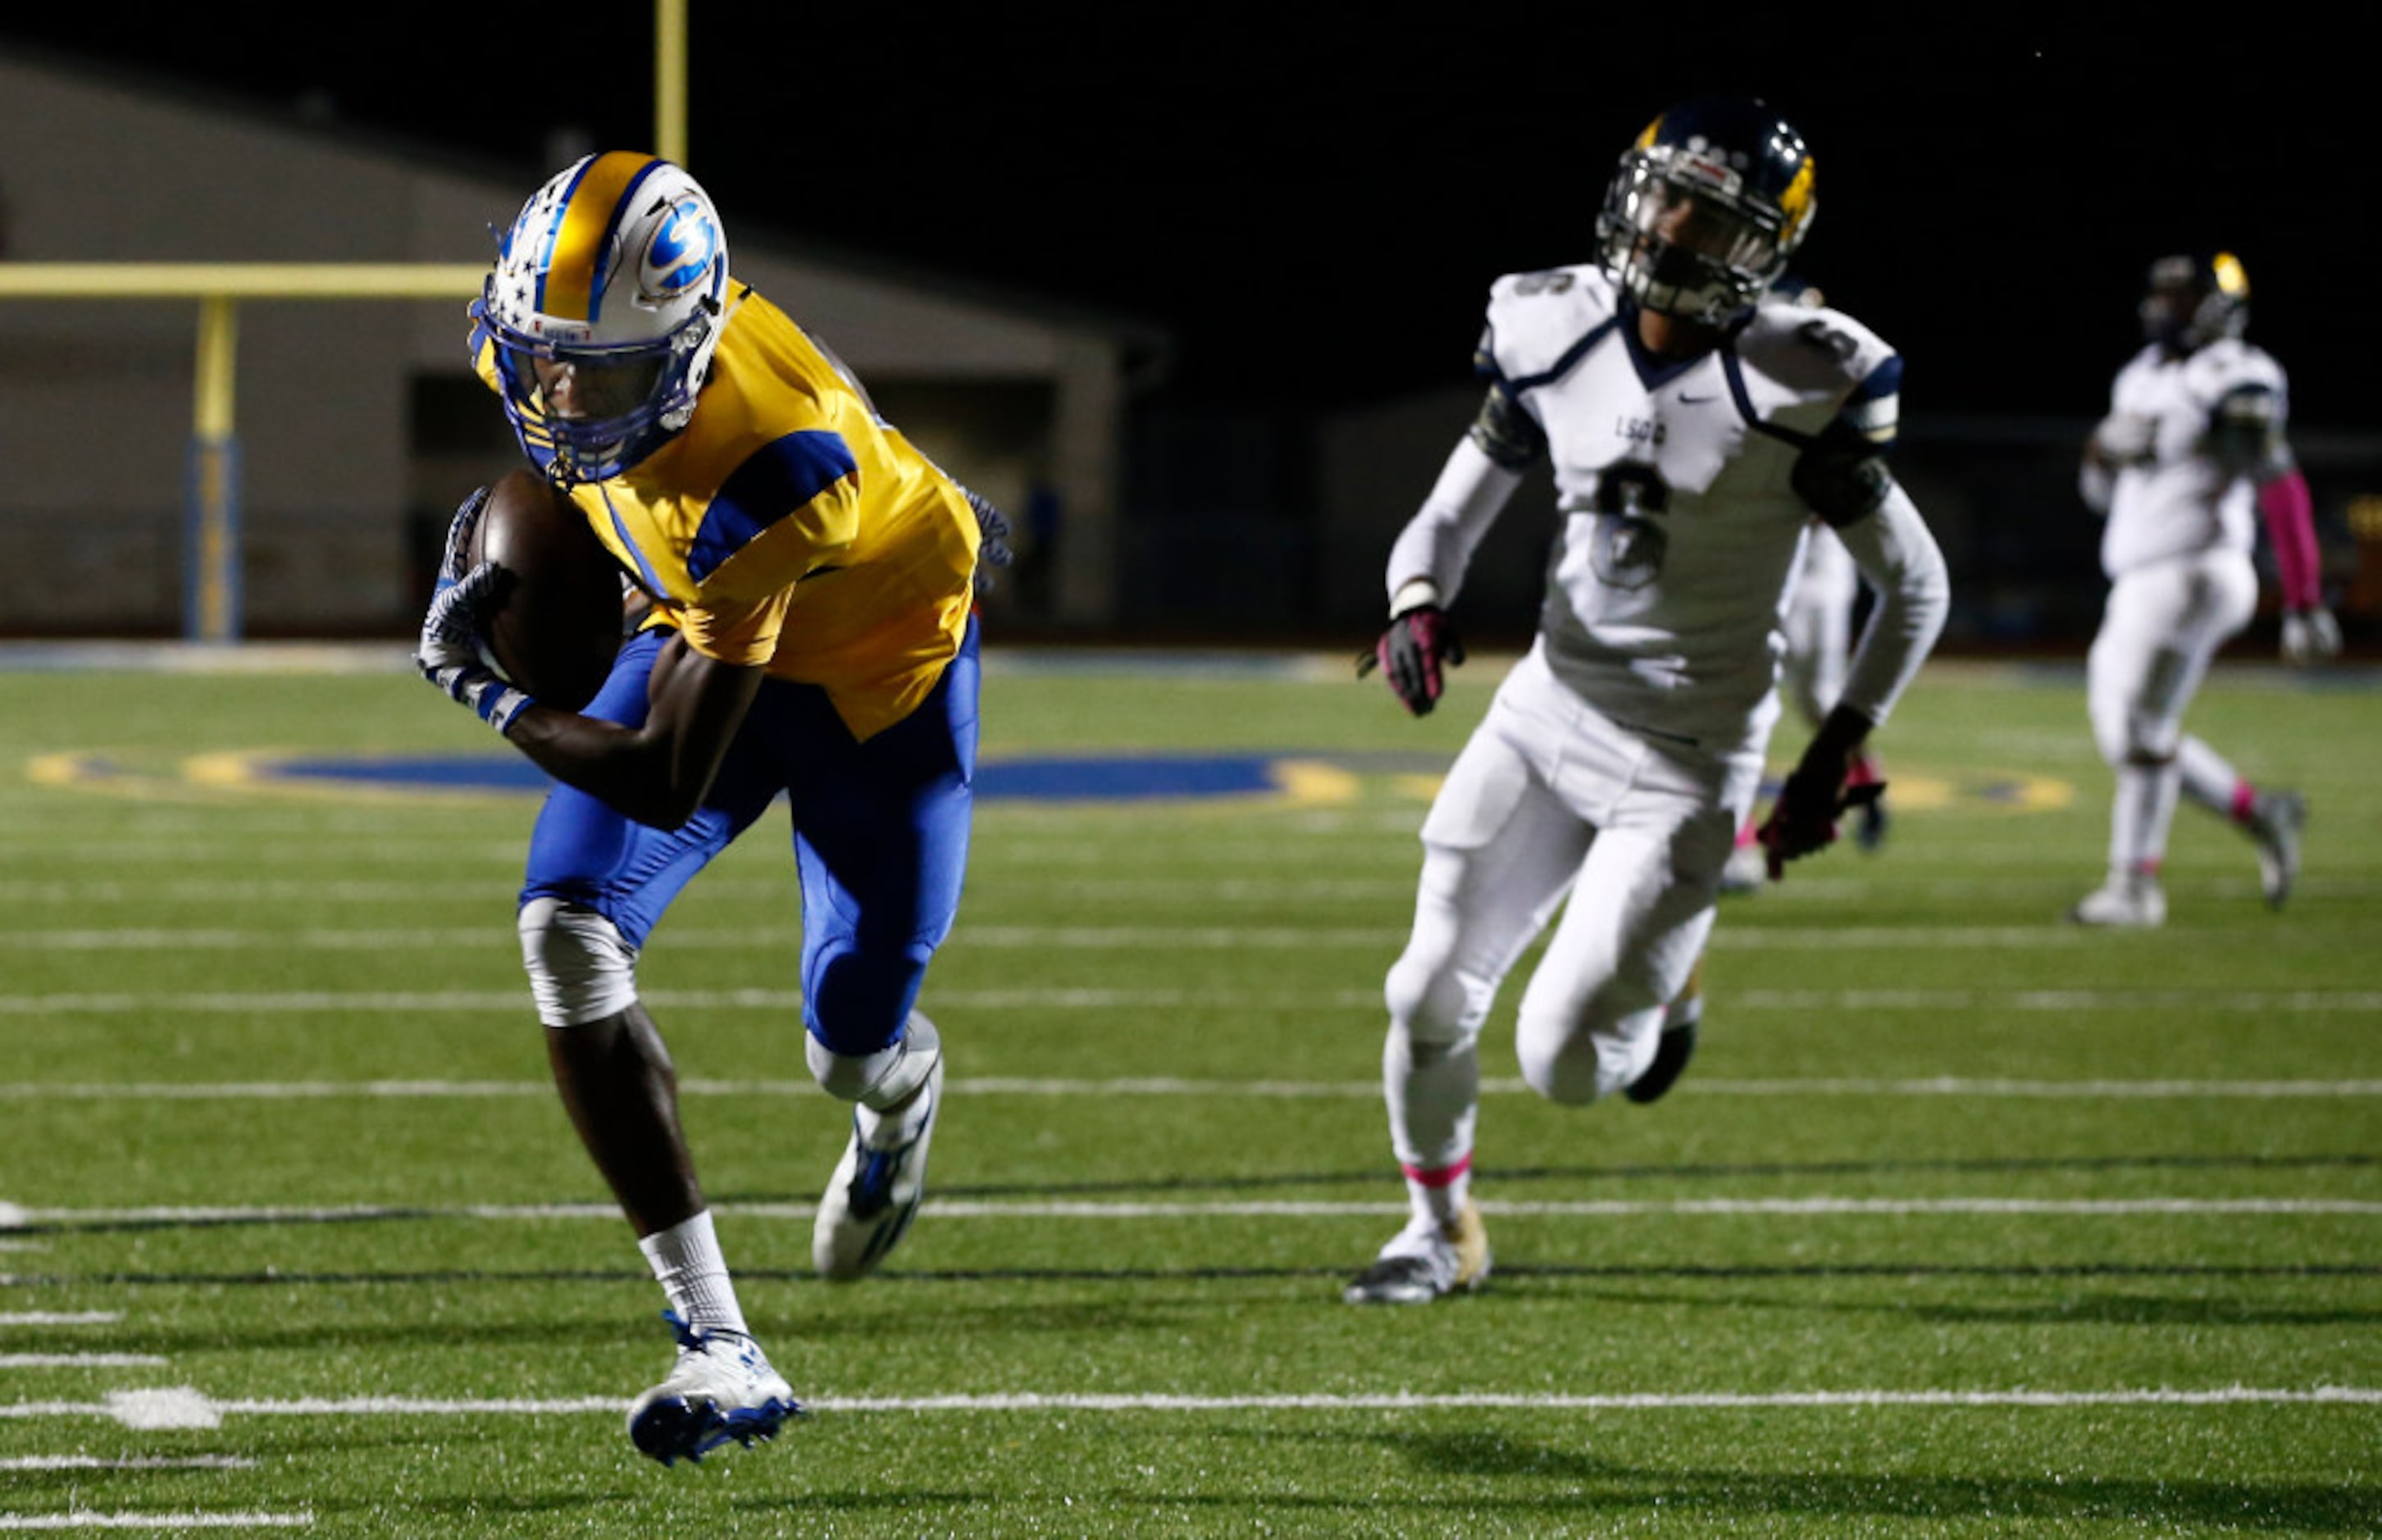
<point x="2290" y="525"/>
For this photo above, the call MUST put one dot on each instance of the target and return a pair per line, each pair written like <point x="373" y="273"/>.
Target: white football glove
<point x="451" y="652"/>
<point x="453" y="565"/>
<point x="2124" y="437"/>
<point x="2310" y="636"/>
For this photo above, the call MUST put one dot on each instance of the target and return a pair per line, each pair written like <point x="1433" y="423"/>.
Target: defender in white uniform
<point x="1693" y="429"/>
<point x="2191" y="456"/>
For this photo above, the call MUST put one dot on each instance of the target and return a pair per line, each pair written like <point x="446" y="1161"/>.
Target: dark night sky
<point x="1314" y="198"/>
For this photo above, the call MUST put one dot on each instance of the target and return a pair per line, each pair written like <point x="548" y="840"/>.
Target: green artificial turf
<point x="1964" y="1222"/>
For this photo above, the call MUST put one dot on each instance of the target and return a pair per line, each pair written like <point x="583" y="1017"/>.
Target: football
<point x="557" y="625"/>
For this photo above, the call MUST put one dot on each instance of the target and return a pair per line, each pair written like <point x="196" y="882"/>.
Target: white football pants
<point x="2163" y="626"/>
<point x="1549" y="798"/>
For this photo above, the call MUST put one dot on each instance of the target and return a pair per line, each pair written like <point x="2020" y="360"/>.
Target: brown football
<point x="557" y="628"/>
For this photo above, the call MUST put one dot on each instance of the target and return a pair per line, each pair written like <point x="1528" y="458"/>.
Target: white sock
<point x="686" y="1259"/>
<point x="1434" y="1098"/>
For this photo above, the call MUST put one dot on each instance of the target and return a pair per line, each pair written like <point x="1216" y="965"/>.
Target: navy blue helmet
<point x="2192" y="300"/>
<point x="1706" y="208"/>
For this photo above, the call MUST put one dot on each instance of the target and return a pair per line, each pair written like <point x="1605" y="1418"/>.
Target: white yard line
<point x="1079" y="938"/>
<point x="138" y="1463"/>
<point x="80" y="1361"/>
<point x="57" y="1317"/>
<point x="1802" y="1001"/>
<point x="1030" y="1402"/>
<point x="962" y="1208"/>
<point x="176" y="1523"/>
<point x="1168" y="1085"/>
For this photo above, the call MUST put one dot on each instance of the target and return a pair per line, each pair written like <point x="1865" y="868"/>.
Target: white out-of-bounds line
<point x="55" y="1317"/>
<point x="75" y="1518"/>
<point x="962" y="1208"/>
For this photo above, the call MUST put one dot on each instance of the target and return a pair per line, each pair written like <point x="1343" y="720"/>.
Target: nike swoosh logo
<point x="1686" y="399"/>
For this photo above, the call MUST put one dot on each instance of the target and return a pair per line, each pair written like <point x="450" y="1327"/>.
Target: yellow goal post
<point x="210" y="587"/>
<point x="211" y="567"/>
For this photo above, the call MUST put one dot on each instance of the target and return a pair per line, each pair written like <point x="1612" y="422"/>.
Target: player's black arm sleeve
<point x="1508" y="435"/>
<point x="2245" y="433"/>
<point x="1842" y="475"/>
<point x="656" y="773"/>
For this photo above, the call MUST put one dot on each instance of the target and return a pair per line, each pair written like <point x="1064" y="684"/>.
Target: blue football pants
<point x="881" y="835"/>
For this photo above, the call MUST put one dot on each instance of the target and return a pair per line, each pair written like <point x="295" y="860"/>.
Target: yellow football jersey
<point x="791" y="527"/>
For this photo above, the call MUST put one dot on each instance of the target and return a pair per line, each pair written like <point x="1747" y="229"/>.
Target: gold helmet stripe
<point x="581" y="236"/>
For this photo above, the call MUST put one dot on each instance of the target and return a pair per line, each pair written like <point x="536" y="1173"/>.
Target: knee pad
<point x="580" y="969"/>
<point x="883" y="1078"/>
<point x="1435" y="1007"/>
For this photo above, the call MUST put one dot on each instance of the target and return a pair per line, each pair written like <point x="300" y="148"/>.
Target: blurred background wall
<point x="360" y="425"/>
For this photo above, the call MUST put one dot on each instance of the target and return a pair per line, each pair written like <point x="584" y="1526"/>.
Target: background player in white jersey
<point x="2192" y="454"/>
<point x="1693" y="428"/>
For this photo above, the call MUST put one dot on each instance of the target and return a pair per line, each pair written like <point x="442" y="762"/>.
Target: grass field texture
<point x="1965" y="1222"/>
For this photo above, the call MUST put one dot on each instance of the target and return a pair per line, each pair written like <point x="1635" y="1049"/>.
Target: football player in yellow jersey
<point x="812" y="578"/>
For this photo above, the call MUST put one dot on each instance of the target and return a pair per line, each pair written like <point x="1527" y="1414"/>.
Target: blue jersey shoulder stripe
<point x="1732" y="369"/>
<point x="1571" y="356"/>
<point x="1883" y="380"/>
<point x="775" y="481"/>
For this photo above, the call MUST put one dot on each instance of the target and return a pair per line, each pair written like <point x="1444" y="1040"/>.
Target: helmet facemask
<point x="1685" y="239"/>
<point x="589" y="413"/>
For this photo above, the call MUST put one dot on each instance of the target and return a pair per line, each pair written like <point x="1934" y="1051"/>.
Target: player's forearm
<point x="1438" y="542"/>
<point x="1897" y="552"/>
<point x="641" y="772"/>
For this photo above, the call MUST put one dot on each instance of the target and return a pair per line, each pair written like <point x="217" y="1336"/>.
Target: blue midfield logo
<point x="682" y="249"/>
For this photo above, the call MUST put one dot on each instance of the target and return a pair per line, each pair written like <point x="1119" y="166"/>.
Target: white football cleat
<point x="1425" y="1261"/>
<point x="721" y="1387"/>
<point x="2126" y="901"/>
<point x="874" y="1195"/>
<point x="2275" y="822"/>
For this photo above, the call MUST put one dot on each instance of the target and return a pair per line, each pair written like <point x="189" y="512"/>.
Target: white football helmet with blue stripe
<point x="602" y="313"/>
